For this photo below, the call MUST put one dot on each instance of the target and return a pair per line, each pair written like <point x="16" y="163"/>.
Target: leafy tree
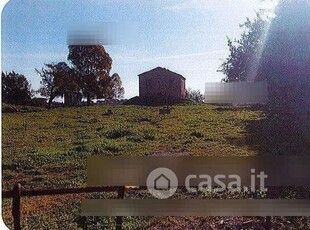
<point x="15" y="89"/>
<point x="194" y="95"/>
<point x="92" y="65"/>
<point x="243" y="60"/>
<point x="115" y="89"/>
<point x="277" y="51"/>
<point x="285" y="62"/>
<point x="56" y="79"/>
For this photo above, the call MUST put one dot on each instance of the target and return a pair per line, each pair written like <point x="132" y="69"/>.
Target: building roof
<point x="160" y="71"/>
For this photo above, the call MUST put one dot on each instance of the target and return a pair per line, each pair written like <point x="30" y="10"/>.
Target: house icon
<point x="162" y="182"/>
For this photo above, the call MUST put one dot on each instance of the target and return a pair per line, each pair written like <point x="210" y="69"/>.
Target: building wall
<point x="169" y="85"/>
<point x="183" y="88"/>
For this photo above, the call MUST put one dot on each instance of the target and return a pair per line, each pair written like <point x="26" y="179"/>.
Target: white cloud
<point x="38" y="55"/>
<point x="171" y="57"/>
<point x="269" y="4"/>
<point x="211" y="4"/>
<point x="200" y="4"/>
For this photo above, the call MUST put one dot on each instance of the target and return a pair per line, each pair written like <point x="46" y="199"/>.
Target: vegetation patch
<point x="119" y="132"/>
<point x="197" y="134"/>
<point x="7" y="108"/>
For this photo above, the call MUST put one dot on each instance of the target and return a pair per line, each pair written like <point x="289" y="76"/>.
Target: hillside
<point x="48" y="149"/>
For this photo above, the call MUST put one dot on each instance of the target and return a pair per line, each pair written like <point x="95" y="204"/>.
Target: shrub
<point x="118" y="133"/>
<point x="6" y="108"/>
<point x="197" y="134"/>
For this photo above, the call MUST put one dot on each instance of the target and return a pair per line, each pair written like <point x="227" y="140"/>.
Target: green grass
<point x="44" y="142"/>
<point x="48" y="149"/>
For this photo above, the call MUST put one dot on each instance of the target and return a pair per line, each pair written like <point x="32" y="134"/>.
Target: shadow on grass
<point x="279" y="135"/>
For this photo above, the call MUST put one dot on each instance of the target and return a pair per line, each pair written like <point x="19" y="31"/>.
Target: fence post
<point x="119" y="219"/>
<point x="16" y="206"/>
<point x="268" y="223"/>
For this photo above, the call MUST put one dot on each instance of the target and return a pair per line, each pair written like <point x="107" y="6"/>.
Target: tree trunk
<point x="50" y="101"/>
<point x="88" y="100"/>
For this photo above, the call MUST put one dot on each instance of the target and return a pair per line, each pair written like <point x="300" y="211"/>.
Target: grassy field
<point x="48" y="149"/>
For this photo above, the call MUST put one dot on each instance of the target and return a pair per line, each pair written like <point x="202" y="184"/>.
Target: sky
<point x="185" y="36"/>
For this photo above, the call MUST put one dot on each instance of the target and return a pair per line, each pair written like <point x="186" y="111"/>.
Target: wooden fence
<point x="18" y="192"/>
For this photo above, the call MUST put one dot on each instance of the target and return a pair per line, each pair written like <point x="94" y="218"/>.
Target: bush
<point x="118" y="133"/>
<point x="197" y="134"/>
<point x="38" y="102"/>
<point x="6" y="108"/>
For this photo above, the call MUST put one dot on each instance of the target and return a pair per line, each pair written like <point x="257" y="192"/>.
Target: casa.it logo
<point x="162" y="183"/>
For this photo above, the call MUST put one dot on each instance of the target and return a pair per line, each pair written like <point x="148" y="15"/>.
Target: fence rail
<point x="18" y="192"/>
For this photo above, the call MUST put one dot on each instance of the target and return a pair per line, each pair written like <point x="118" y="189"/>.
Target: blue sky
<point x="185" y="36"/>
